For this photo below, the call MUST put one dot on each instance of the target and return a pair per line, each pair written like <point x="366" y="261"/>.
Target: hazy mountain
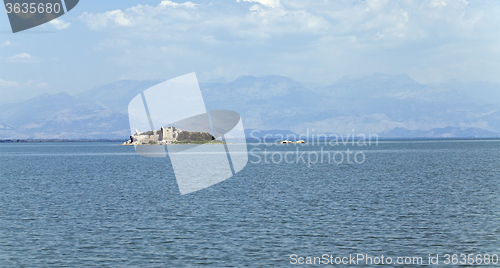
<point x="371" y="104"/>
<point x="61" y="116"/>
<point x="7" y="130"/>
<point x="390" y="105"/>
<point x="447" y="132"/>
<point x="117" y="95"/>
<point x="266" y="101"/>
<point x="476" y="92"/>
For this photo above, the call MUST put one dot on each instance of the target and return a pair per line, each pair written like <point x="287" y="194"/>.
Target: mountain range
<point x="387" y="105"/>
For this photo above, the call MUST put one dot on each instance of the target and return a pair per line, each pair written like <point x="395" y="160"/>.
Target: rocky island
<point x="170" y="135"/>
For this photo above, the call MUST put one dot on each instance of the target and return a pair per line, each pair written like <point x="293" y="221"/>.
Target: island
<point x="171" y="135"/>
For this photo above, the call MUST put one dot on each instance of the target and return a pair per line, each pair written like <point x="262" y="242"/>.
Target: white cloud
<point x="43" y="85"/>
<point x="59" y="24"/>
<point x="23" y="57"/>
<point x="102" y="20"/>
<point x="6" y="44"/>
<point x="173" y="4"/>
<point x="305" y="40"/>
<point x="438" y="3"/>
<point x="6" y="83"/>
<point x="268" y="3"/>
<point x="367" y="20"/>
<point x="141" y="15"/>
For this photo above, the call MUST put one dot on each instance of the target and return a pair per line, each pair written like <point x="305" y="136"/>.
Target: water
<point x="77" y="204"/>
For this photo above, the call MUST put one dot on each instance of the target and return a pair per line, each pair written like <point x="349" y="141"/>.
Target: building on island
<point x="169" y="134"/>
<point x="163" y="136"/>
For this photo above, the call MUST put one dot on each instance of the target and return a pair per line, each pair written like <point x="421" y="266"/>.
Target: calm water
<point x="80" y="204"/>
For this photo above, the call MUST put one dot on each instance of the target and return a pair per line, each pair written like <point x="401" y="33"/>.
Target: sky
<point x="99" y="42"/>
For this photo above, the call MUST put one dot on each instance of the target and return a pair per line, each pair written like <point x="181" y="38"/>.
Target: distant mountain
<point x="217" y="80"/>
<point x="61" y="116"/>
<point x="371" y="104"/>
<point x="266" y="102"/>
<point x="117" y="95"/>
<point x="447" y="132"/>
<point x="7" y="130"/>
<point x="390" y="105"/>
<point x="375" y="86"/>
<point x="476" y="92"/>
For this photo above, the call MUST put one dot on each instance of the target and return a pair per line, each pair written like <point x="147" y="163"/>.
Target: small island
<point x="171" y="135"/>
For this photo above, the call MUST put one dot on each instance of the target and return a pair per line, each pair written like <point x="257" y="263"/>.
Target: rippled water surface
<point x="77" y="204"/>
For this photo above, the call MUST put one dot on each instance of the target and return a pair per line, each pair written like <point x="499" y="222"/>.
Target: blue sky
<point x="99" y="42"/>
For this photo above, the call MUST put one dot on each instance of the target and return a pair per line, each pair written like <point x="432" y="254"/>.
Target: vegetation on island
<point x="186" y="137"/>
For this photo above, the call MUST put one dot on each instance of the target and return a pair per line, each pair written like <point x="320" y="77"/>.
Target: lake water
<point x="100" y="204"/>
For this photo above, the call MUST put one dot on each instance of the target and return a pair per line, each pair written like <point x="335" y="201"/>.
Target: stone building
<point x="162" y="136"/>
<point x="169" y="134"/>
<point x="140" y="138"/>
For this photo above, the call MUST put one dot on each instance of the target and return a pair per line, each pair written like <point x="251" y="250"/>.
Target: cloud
<point x="268" y="3"/>
<point x="176" y="5"/>
<point x="366" y="21"/>
<point x="6" y="44"/>
<point x="59" y="24"/>
<point x="44" y="85"/>
<point x="23" y="57"/>
<point x="6" y="83"/>
<point x="102" y="20"/>
<point x="313" y="40"/>
<point x="138" y="15"/>
<point x="171" y="20"/>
